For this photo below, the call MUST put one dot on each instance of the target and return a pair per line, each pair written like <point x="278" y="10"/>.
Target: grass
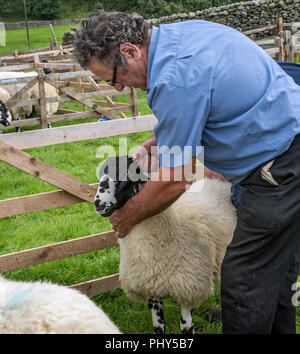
<point x="39" y="37"/>
<point x="40" y="228"/>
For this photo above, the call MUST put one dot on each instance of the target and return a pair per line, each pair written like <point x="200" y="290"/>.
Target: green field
<point x="41" y="228"/>
<point x="39" y="37"/>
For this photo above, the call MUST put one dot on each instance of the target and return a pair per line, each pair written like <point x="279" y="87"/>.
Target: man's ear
<point x="130" y="51"/>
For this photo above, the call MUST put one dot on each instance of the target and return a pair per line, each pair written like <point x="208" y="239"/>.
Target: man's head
<point x="114" y="45"/>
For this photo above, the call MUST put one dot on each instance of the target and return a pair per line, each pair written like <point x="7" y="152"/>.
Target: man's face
<point x="136" y="76"/>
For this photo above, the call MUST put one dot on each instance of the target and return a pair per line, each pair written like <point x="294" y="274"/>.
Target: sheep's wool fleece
<point x="42" y="308"/>
<point x="4" y="95"/>
<point x="178" y="253"/>
<point x="7" y="93"/>
<point x="32" y="93"/>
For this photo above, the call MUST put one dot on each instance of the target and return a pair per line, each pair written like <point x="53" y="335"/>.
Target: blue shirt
<point x="291" y="69"/>
<point x="209" y="85"/>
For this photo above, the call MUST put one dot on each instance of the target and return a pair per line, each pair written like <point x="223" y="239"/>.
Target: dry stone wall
<point x="243" y="15"/>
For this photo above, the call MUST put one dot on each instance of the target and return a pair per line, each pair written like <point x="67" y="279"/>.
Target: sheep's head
<point x="5" y="116"/>
<point x="120" y="180"/>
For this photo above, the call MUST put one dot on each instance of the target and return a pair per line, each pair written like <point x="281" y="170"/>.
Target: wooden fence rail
<point x="45" y="172"/>
<point x="38" y="202"/>
<point x="57" y="251"/>
<point x="73" y="133"/>
<point x="62" y="53"/>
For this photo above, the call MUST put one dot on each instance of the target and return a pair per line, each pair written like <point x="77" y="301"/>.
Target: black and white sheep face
<point x="5" y="116"/>
<point x="120" y="180"/>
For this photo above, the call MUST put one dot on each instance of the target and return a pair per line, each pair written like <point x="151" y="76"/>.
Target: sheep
<point x="44" y="308"/>
<point x="176" y="253"/>
<point x="5" y="115"/>
<point x="32" y="93"/>
<point x="6" y="92"/>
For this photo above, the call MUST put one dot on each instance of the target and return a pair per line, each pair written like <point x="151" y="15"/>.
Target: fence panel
<point x="73" y="191"/>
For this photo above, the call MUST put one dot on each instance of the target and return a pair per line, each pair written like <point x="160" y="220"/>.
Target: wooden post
<point x="26" y="20"/>
<point x="287" y="46"/>
<point x="51" y="46"/>
<point x="279" y="44"/>
<point x="133" y="102"/>
<point x="280" y="27"/>
<point x="42" y="92"/>
<point x="53" y="35"/>
<point x="36" y="59"/>
<point x="293" y="51"/>
<point x="81" y="90"/>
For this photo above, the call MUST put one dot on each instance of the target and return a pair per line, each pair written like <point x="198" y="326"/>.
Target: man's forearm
<point x="153" y="199"/>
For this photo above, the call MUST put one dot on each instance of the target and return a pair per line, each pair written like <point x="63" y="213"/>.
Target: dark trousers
<point x="262" y="262"/>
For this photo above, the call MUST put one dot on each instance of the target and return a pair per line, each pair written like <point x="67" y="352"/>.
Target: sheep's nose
<point x="99" y="206"/>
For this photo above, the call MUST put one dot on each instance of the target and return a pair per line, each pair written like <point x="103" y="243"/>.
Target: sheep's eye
<point x="104" y="184"/>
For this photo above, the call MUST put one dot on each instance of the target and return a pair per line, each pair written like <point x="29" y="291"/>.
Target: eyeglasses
<point x="113" y="81"/>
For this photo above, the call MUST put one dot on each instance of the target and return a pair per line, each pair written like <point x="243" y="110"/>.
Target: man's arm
<point x="155" y="197"/>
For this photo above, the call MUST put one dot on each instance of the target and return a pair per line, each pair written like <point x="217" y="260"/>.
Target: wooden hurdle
<point x="281" y="46"/>
<point x="74" y="85"/>
<point x="71" y="191"/>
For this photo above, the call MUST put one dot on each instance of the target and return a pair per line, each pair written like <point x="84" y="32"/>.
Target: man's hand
<point x="212" y="174"/>
<point x="121" y="223"/>
<point x="148" y="155"/>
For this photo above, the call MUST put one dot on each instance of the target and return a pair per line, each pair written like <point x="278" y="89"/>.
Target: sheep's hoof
<point x="187" y="330"/>
<point x="158" y="330"/>
<point x="213" y="314"/>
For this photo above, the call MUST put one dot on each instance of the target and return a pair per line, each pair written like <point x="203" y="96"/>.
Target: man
<point x="209" y="85"/>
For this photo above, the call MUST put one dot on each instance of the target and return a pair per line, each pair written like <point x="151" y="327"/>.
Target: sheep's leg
<point x="18" y="129"/>
<point x="186" y="321"/>
<point x="32" y="114"/>
<point x="157" y="311"/>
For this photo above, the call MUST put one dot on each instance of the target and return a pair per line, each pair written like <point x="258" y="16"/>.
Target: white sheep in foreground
<point x="175" y="254"/>
<point x="42" y="308"/>
<point x="32" y="93"/>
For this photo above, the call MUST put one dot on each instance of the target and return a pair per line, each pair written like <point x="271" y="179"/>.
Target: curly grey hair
<point x="102" y="33"/>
